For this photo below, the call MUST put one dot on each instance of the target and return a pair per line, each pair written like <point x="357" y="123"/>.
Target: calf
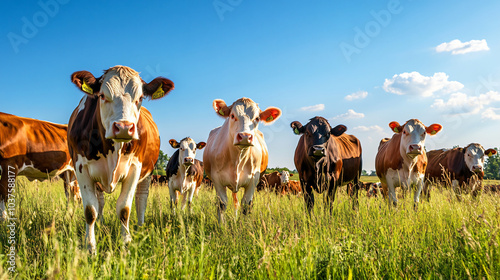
<point x="37" y="150"/>
<point x="325" y="159"/>
<point x="236" y="153"/>
<point x="401" y="160"/>
<point x="293" y="187"/>
<point x="159" y="180"/>
<point x="184" y="172"/>
<point x="113" y="139"/>
<point x="462" y="166"/>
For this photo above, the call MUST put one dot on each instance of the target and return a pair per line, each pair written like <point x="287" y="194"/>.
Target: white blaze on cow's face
<point x="187" y="150"/>
<point x="120" y="100"/>
<point x="474" y="155"/>
<point x="243" y="119"/>
<point x="285" y="177"/>
<point x="413" y="136"/>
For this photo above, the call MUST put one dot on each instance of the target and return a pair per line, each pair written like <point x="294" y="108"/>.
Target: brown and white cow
<point x="159" y="180"/>
<point x="401" y="160"/>
<point x="463" y="166"/>
<point x="236" y="153"/>
<point x="184" y="172"/>
<point x="294" y="187"/>
<point x="113" y="139"/>
<point x="325" y="159"/>
<point x="275" y="181"/>
<point x="37" y="150"/>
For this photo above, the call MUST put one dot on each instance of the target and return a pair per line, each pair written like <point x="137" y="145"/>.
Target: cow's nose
<point x="244" y="138"/>
<point x="415" y="148"/>
<point x="477" y="168"/>
<point x="318" y="150"/>
<point x="123" y="129"/>
<point x="188" y="160"/>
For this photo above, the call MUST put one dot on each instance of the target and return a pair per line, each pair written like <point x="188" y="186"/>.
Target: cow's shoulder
<point x="172" y="165"/>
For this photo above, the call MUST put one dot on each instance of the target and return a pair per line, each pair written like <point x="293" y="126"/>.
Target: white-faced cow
<point x="463" y="166"/>
<point x="401" y="160"/>
<point x="326" y="158"/>
<point x="236" y="153"/>
<point x="184" y="172"/>
<point x="113" y="139"/>
<point x="37" y="150"/>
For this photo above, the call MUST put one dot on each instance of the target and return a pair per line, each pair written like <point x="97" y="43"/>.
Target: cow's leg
<point x="308" y="196"/>
<point x="248" y="194"/>
<point x="141" y="199"/>
<point x="355" y="194"/>
<point x="173" y="197"/>
<point x="190" y="195"/>
<point x="100" y="199"/>
<point x="418" y="189"/>
<point x="330" y="196"/>
<point x="124" y="202"/>
<point x="65" y="177"/>
<point x="391" y="188"/>
<point x="456" y="189"/>
<point x="222" y="202"/>
<point x="90" y="207"/>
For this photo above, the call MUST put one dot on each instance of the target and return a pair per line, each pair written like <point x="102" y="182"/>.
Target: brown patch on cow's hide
<point x="124" y="214"/>
<point x="90" y="214"/>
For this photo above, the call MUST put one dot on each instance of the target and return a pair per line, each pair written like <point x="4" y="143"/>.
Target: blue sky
<point x="288" y="54"/>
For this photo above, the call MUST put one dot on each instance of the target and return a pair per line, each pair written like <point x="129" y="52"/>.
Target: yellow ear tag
<point x="87" y="88"/>
<point x="490" y="154"/>
<point x="396" y="130"/>
<point x="158" y="93"/>
<point x="221" y="112"/>
<point x="270" y="119"/>
<point x="433" y="132"/>
<point x="296" y="131"/>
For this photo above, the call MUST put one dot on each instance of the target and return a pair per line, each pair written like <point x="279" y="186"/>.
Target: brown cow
<point x="326" y="158"/>
<point x="462" y="166"/>
<point x="401" y="160"/>
<point x="236" y="153"/>
<point x="294" y="187"/>
<point x="159" y="180"/>
<point x="113" y="139"/>
<point x="275" y="181"/>
<point x="184" y="172"/>
<point x="37" y="150"/>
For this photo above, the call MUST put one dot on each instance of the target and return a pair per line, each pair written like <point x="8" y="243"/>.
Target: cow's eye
<point x="257" y="119"/>
<point x="232" y="116"/>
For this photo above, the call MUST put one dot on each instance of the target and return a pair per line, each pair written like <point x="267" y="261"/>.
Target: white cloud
<point x="373" y="128"/>
<point x="314" y="108"/>
<point x="357" y="95"/>
<point x="416" y="84"/>
<point x="490" y="114"/>
<point x="350" y="115"/>
<point x="461" y="103"/>
<point x="457" y="47"/>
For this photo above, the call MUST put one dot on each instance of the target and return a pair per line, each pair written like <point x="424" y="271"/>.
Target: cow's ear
<point x="174" y="143"/>
<point x="338" y="130"/>
<point x="490" y="152"/>
<point x="158" y="88"/>
<point x="201" y="145"/>
<point x="86" y="82"/>
<point x="270" y="115"/>
<point x="297" y="127"/>
<point x="433" y="128"/>
<point x="221" y="108"/>
<point x="395" y="127"/>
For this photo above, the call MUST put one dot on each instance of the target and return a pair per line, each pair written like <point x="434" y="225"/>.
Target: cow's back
<point x="452" y="161"/>
<point x="388" y="155"/>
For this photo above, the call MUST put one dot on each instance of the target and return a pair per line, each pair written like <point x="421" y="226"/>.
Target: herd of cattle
<point x="110" y="138"/>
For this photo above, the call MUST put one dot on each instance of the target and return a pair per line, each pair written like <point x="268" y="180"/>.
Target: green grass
<point x="444" y="239"/>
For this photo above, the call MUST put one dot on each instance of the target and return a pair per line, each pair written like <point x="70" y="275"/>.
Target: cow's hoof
<point x="127" y="239"/>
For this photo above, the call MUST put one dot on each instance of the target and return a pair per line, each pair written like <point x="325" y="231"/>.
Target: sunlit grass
<point x="443" y="239"/>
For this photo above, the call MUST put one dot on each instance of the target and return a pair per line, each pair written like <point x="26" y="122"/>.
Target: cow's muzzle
<point x="244" y="139"/>
<point x="188" y="161"/>
<point x="123" y="131"/>
<point x="414" y="150"/>
<point x="477" y="169"/>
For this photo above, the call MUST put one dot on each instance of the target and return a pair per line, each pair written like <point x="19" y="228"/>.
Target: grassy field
<point x="444" y="239"/>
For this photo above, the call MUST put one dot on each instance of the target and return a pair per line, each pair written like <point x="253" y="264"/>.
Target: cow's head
<point x="120" y="91"/>
<point x="187" y="150"/>
<point x="474" y="155"/>
<point x="243" y="118"/>
<point x="317" y="133"/>
<point x="413" y="136"/>
<point x="285" y="177"/>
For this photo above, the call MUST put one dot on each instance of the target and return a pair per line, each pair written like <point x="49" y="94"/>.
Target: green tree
<point x="492" y="167"/>
<point x="161" y="164"/>
<point x="364" y="173"/>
